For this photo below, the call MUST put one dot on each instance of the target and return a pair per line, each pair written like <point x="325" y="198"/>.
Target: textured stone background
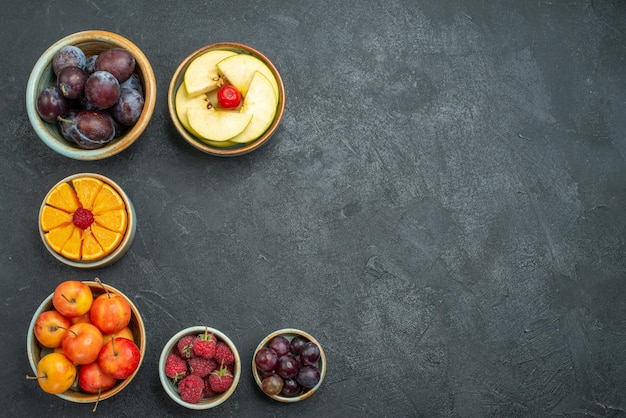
<point x="442" y="205"/>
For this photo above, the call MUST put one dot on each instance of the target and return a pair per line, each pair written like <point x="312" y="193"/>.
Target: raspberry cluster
<point x="201" y="366"/>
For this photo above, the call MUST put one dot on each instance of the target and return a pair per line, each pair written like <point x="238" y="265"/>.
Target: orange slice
<point x="115" y="220"/>
<point x="91" y="248"/>
<point x="63" y="197"/>
<point x="87" y="188"/>
<point x="109" y="240"/>
<point x="107" y="199"/>
<point x="52" y="217"/>
<point x="57" y="237"/>
<point x="71" y="249"/>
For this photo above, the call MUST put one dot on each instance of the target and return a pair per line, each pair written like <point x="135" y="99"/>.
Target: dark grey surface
<point x="442" y="205"/>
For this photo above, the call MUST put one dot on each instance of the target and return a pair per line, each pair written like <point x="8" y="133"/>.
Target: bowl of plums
<point x="91" y="95"/>
<point x="289" y="365"/>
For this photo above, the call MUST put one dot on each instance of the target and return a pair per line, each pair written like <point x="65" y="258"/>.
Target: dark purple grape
<point x="116" y="61"/>
<point x="308" y="376"/>
<point x="102" y="89"/>
<point x="93" y="129"/>
<point x="291" y="388"/>
<point x="296" y="344"/>
<point x="132" y="83"/>
<point x="309" y="354"/>
<point x="279" y="344"/>
<point x="128" y="107"/>
<point x="68" y="56"/>
<point x="51" y="104"/>
<point x="266" y="359"/>
<point x="90" y="64"/>
<point x="71" y="82"/>
<point x="287" y="366"/>
<point x="272" y="384"/>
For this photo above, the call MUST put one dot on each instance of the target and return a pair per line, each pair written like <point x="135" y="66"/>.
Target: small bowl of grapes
<point x="289" y="365"/>
<point x="91" y="95"/>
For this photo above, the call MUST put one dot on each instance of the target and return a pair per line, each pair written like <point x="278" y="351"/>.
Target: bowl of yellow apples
<point x="226" y="99"/>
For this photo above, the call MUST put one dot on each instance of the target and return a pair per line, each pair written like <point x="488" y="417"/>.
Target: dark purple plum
<point x="128" y="107"/>
<point x="71" y="82"/>
<point x="68" y="56"/>
<point x="132" y="83"/>
<point x="90" y="64"/>
<point x="118" y="62"/>
<point x="102" y="89"/>
<point x="51" y="104"/>
<point x="93" y="129"/>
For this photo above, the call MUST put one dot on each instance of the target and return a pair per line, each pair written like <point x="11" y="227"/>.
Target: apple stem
<point x="97" y="400"/>
<point x="28" y="377"/>
<point x="69" y="300"/>
<point x="97" y="280"/>
<point x="69" y="330"/>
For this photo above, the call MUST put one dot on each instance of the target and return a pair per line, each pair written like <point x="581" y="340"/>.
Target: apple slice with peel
<point x="183" y="102"/>
<point x="261" y="103"/>
<point x="217" y="125"/>
<point x="201" y="75"/>
<point x="239" y="69"/>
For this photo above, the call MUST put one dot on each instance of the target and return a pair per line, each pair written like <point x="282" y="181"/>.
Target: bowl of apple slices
<point x="226" y="99"/>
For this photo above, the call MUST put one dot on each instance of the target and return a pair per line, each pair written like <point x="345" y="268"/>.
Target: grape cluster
<point x="94" y="99"/>
<point x="288" y="368"/>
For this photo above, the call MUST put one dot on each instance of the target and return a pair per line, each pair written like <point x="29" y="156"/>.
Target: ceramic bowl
<point x="226" y="149"/>
<point x="35" y="351"/>
<point x="170" y="387"/>
<point x="91" y="42"/>
<point x="290" y="333"/>
<point x="122" y="247"/>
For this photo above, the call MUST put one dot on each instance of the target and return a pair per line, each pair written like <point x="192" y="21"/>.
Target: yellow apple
<point x="239" y="69"/>
<point x="217" y="125"/>
<point x="260" y="102"/>
<point x="201" y="75"/>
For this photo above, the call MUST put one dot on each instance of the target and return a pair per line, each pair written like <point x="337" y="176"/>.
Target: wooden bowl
<point x="290" y="333"/>
<point x="170" y="387"/>
<point x="235" y="149"/>
<point x="91" y="42"/>
<point x="123" y="246"/>
<point x="35" y="351"/>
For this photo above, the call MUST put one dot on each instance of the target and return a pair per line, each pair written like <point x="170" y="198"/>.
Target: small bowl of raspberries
<point x="199" y="367"/>
<point x="289" y="365"/>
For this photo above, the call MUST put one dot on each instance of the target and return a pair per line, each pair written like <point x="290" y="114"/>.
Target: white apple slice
<point x="201" y="75"/>
<point x="261" y="103"/>
<point x="217" y="125"/>
<point x="239" y="69"/>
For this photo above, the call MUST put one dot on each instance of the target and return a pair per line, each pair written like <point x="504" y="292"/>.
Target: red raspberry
<point x="191" y="389"/>
<point x="201" y="366"/>
<point x="175" y="367"/>
<point x="223" y="354"/>
<point x="82" y="218"/>
<point x="208" y="392"/>
<point x="185" y="346"/>
<point x="204" y="345"/>
<point x="220" y="380"/>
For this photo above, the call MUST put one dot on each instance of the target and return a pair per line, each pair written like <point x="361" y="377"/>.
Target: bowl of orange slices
<point x="87" y="221"/>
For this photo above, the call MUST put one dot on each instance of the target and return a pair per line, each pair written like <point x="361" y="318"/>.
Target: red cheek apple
<point x="81" y="343"/>
<point x="119" y="358"/>
<point x="92" y="379"/>
<point x="50" y="326"/>
<point x="110" y="312"/>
